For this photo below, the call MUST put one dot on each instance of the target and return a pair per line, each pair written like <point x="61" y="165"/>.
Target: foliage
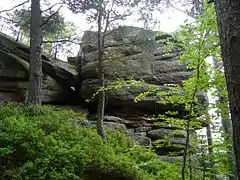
<point x="51" y="26"/>
<point x="42" y="143"/>
<point x="57" y="33"/>
<point x="201" y="41"/>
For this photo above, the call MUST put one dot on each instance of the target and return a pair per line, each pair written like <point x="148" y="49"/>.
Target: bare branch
<point x="107" y="24"/>
<point x="61" y="41"/>
<point x="14" y="7"/>
<point x="49" y="17"/>
<point x="118" y="17"/>
<point x="52" y="7"/>
<point x="185" y="12"/>
<point x="7" y="19"/>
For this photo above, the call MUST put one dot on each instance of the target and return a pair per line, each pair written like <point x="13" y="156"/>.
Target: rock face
<point x="58" y="76"/>
<point x="131" y="52"/>
<point x="170" y="139"/>
<point x="145" y="132"/>
<point x="143" y="55"/>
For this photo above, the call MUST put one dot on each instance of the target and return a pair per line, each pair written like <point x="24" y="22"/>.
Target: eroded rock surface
<point x="170" y="139"/>
<point x="131" y="52"/>
<point x="58" y="77"/>
<point x="138" y="53"/>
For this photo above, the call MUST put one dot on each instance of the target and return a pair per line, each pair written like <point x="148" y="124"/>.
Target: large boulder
<point x="161" y="133"/>
<point x="58" y="77"/>
<point x="144" y="55"/>
<point x="132" y="52"/>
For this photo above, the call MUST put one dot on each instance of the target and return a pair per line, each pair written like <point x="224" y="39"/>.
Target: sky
<point x="170" y="19"/>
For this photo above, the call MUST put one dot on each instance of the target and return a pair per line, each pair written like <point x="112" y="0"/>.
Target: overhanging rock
<point x="58" y="77"/>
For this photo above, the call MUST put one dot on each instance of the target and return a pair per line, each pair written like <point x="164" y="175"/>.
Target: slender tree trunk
<point x="203" y="164"/>
<point x="228" y="15"/>
<point x="55" y="51"/>
<point x="185" y="151"/>
<point x="190" y="168"/>
<point x="210" y="150"/>
<point x="101" y="98"/>
<point x="18" y="34"/>
<point x="35" y="67"/>
<point x="209" y="139"/>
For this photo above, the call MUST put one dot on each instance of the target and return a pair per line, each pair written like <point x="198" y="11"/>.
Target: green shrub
<point x="41" y="143"/>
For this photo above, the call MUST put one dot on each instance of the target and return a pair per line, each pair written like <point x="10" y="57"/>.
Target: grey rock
<point x="132" y="52"/>
<point x="143" y="129"/>
<point x="131" y="123"/>
<point x="111" y="125"/>
<point x="143" y="141"/>
<point x="162" y="133"/>
<point x="58" y="76"/>
<point x="144" y="134"/>
<point x="82" y="122"/>
<point x="178" y="141"/>
<point x="171" y="159"/>
<point x="130" y="131"/>
<point x="116" y="119"/>
<point x="159" y="133"/>
<point x="142" y="57"/>
<point x="117" y="126"/>
<point x="112" y="118"/>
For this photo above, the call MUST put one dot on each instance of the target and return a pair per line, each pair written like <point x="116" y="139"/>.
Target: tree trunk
<point x="210" y="150"/>
<point x="101" y="98"/>
<point x="228" y="15"/>
<point x="56" y="52"/>
<point x="209" y="139"/>
<point x="35" y="68"/>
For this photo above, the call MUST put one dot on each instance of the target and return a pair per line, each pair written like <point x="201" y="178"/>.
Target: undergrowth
<point x="42" y="143"/>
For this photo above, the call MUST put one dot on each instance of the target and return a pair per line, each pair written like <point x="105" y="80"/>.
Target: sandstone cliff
<point x="58" y="77"/>
<point x="130" y="52"/>
<point x="144" y="55"/>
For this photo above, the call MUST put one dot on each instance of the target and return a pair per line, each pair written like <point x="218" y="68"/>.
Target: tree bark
<point x="35" y="68"/>
<point x="101" y="97"/>
<point x="228" y="16"/>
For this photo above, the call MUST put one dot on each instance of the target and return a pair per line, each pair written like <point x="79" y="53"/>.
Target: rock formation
<point x="58" y="77"/>
<point x="143" y="55"/>
<point x="130" y="52"/>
